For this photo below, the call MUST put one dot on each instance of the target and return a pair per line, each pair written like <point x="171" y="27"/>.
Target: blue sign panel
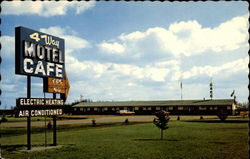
<point x="38" y="54"/>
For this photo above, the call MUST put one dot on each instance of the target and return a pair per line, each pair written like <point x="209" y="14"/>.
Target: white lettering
<point x="59" y="70"/>
<point x="40" y="68"/>
<point x="20" y="113"/>
<point x="29" y="49"/>
<point x="55" y="55"/>
<point x="28" y="68"/>
<point x="49" y="69"/>
<point x="60" y="57"/>
<point x="48" y="52"/>
<point x="40" y="52"/>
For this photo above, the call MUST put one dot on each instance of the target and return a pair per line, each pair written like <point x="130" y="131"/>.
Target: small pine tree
<point x="162" y="121"/>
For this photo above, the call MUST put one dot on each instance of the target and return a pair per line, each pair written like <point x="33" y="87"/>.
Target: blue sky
<point x="135" y="50"/>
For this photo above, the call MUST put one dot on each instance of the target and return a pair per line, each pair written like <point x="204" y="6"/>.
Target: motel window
<point x="81" y="109"/>
<point x="170" y="108"/>
<point x="180" y="108"/>
<point x="202" y="108"/>
<point x="144" y="108"/>
<point x="158" y="108"/>
<point x="215" y="108"/>
<point x="125" y="108"/>
<point x="75" y="109"/>
<point x="117" y="108"/>
<point x="106" y="109"/>
<point x="149" y="108"/>
<point x="113" y="108"/>
<point x="95" y="109"/>
<point x="228" y="108"/>
<point x="88" y="109"/>
<point x="136" y="108"/>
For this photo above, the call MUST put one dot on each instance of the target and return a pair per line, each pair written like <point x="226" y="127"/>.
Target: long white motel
<point x="175" y="107"/>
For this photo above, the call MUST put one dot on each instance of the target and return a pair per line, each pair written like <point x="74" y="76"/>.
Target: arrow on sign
<point x="67" y="86"/>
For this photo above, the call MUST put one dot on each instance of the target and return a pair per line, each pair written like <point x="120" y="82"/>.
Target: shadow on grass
<point x="220" y="143"/>
<point x="12" y="147"/>
<point x="218" y="121"/>
<point x="18" y="147"/>
<point x="155" y="140"/>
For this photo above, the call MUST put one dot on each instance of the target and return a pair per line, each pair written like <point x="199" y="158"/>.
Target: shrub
<point x="93" y="122"/>
<point x="49" y="125"/>
<point x="4" y="119"/>
<point x="178" y="118"/>
<point x="222" y="115"/>
<point x="126" y="121"/>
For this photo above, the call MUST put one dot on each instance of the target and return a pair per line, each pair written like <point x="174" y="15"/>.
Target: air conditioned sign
<point x="45" y="112"/>
<point x="39" y="54"/>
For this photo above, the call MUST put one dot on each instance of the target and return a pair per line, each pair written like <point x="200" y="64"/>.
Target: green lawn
<point x="196" y="140"/>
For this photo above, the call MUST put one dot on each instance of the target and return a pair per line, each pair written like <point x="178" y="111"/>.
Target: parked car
<point x="125" y="112"/>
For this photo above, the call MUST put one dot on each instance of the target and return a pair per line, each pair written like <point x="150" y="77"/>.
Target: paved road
<point x="98" y="119"/>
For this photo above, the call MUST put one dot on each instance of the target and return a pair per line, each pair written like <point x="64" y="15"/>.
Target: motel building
<point x="175" y="107"/>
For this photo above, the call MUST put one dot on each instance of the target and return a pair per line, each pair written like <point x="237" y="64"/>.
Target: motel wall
<point x="187" y="107"/>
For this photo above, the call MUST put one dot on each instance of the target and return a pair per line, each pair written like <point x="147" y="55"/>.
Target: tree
<point x="161" y="121"/>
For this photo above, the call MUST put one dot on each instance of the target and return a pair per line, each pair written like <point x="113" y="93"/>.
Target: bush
<point x="4" y="119"/>
<point x="222" y="115"/>
<point x="126" y="121"/>
<point x="93" y="122"/>
<point x="49" y="125"/>
<point x="178" y="118"/>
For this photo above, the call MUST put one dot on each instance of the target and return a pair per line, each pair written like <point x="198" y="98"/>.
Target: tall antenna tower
<point x="181" y="90"/>
<point x="211" y="89"/>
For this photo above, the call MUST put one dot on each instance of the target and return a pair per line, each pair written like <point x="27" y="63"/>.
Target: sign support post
<point x="54" y="125"/>
<point x="41" y="55"/>
<point x="29" y="117"/>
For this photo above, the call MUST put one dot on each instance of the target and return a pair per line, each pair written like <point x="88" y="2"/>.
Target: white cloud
<point x="112" y="48"/>
<point x="228" y="68"/>
<point x="44" y="8"/>
<point x="72" y="42"/>
<point x="183" y="38"/>
<point x="8" y="46"/>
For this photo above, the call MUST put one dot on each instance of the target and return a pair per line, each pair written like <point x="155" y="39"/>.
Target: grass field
<point x="197" y="140"/>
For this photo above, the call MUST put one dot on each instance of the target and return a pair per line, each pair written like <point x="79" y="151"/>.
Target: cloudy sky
<point x="135" y="50"/>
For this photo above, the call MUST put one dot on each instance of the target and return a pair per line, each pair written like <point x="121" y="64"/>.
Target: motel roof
<point x="213" y="102"/>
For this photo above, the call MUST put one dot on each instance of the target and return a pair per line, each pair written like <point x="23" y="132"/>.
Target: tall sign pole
<point x="29" y="117"/>
<point x="40" y="55"/>
<point x="54" y="125"/>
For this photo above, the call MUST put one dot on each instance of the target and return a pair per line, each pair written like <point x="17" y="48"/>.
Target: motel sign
<point x="39" y="54"/>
